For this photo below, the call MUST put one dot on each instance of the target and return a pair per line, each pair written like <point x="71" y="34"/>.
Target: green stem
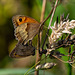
<point x="69" y="69"/>
<point x="31" y="68"/>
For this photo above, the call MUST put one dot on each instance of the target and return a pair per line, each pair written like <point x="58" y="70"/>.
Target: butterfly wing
<point x="22" y="51"/>
<point x="25" y="28"/>
<point x="20" y="19"/>
<point x="32" y="29"/>
<point x="21" y="33"/>
<point x="26" y="32"/>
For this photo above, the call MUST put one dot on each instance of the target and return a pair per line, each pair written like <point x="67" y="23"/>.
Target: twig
<point x="42" y="15"/>
<point x="53" y="10"/>
<point x="53" y="14"/>
<point x="43" y="10"/>
<point x="38" y="41"/>
<point x="38" y="57"/>
<point x="42" y="23"/>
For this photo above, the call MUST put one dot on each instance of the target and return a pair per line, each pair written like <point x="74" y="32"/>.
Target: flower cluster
<point x="59" y="29"/>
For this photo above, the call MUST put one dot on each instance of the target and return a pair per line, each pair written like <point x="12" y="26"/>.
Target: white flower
<point x="58" y="30"/>
<point x="66" y="31"/>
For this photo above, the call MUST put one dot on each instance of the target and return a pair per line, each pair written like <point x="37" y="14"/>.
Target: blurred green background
<point x="32" y="8"/>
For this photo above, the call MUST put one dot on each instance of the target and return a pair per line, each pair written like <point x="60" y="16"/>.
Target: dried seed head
<point x="45" y="66"/>
<point x="63" y="27"/>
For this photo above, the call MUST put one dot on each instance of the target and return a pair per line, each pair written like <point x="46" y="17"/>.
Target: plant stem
<point x="69" y="69"/>
<point x="52" y="12"/>
<point x="38" y="57"/>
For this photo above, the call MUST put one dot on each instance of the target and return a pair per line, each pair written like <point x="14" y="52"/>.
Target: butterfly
<point x="26" y="29"/>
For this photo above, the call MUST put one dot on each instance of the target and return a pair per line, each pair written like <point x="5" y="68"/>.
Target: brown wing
<point x="26" y="32"/>
<point x="32" y="29"/>
<point x="20" y="19"/>
<point x="22" y="51"/>
<point x="21" y="33"/>
<point x="25" y="28"/>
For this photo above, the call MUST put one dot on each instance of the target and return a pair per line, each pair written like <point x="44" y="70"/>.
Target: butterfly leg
<point x="30" y="42"/>
<point x="25" y="44"/>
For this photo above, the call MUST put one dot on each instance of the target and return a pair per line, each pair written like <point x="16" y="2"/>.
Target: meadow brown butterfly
<point x="25" y="29"/>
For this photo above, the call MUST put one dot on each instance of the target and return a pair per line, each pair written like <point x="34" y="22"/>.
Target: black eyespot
<point x="20" y="19"/>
